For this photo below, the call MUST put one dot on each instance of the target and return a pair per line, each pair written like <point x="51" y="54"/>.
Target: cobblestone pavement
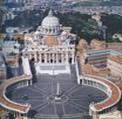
<point x="74" y="102"/>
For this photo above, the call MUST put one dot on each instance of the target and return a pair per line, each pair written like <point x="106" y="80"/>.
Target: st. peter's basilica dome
<point x="50" y="25"/>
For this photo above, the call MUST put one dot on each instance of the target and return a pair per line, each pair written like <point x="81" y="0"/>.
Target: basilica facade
<point x="51" y="46"/>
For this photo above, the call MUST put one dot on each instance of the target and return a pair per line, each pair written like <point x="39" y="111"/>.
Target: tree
<point x="114" y="25"/>
<point x="90" y="30"/>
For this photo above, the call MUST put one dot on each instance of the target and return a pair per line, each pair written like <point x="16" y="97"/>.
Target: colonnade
<point x="108" y="88"/>
<point x="18" y="115"/>
<point x="24" y="84"/>
<point x="51" y="57"/>
<point x="96" y="84"/>
<point x="93" y="83"/>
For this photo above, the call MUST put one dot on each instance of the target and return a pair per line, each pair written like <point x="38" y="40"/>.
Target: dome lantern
<point x="50" y="13"/>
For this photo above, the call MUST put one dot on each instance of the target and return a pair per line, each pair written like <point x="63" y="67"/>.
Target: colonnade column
<point x="48" y="57"/>
<point x="40" y="58"/>
<point x="30" y="82"/>
<point x="35" y="56"/>
<point x="67" y="58"/>
<point x="27" y="83"/>
<point x="45" y="58"/>
<point x="53" y="58"/>
<point x="73" y="58"/>
<point x="82" y="81"/>
<point x="62" y="58"/>
<point x="29" y="56"/>
<point x="57" y="58"/>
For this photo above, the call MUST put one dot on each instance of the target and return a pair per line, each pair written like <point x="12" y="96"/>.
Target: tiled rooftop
<point x="115" y="96"/>
<point x="89" y="69"/>
<point x="117" y="59"/>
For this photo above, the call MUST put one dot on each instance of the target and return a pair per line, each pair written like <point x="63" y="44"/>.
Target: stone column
<point x="82" y="81"/>
<point x="56" y="57"/>
<point x="31" y="82"/>
<point x="45" y="58"/>
<point x="73" y="58"/>
<point x="40" y="58"/>
<point x="29" y="56"/>
<point x="35" y="57"/>
<point x="25" y="116"/>
<point x="62" y="58"/>
<point x="67" y="58"/>
<point x="50" y="57"/>
<point x="27" y="83"/>
<point x="15" y="115"/>
<point x="95" y="115"/>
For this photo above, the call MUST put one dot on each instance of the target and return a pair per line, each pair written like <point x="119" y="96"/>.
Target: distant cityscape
<point x="83" y="6"/>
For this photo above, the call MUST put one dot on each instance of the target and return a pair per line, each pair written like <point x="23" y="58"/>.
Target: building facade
<point x="51" y="46"/>
<point x="115" y="65"/>
<point x="2" y="68"/>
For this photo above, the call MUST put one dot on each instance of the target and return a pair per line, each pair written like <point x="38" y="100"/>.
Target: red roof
<point x="114" y="98"/>
<point x="5" y="102"/>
